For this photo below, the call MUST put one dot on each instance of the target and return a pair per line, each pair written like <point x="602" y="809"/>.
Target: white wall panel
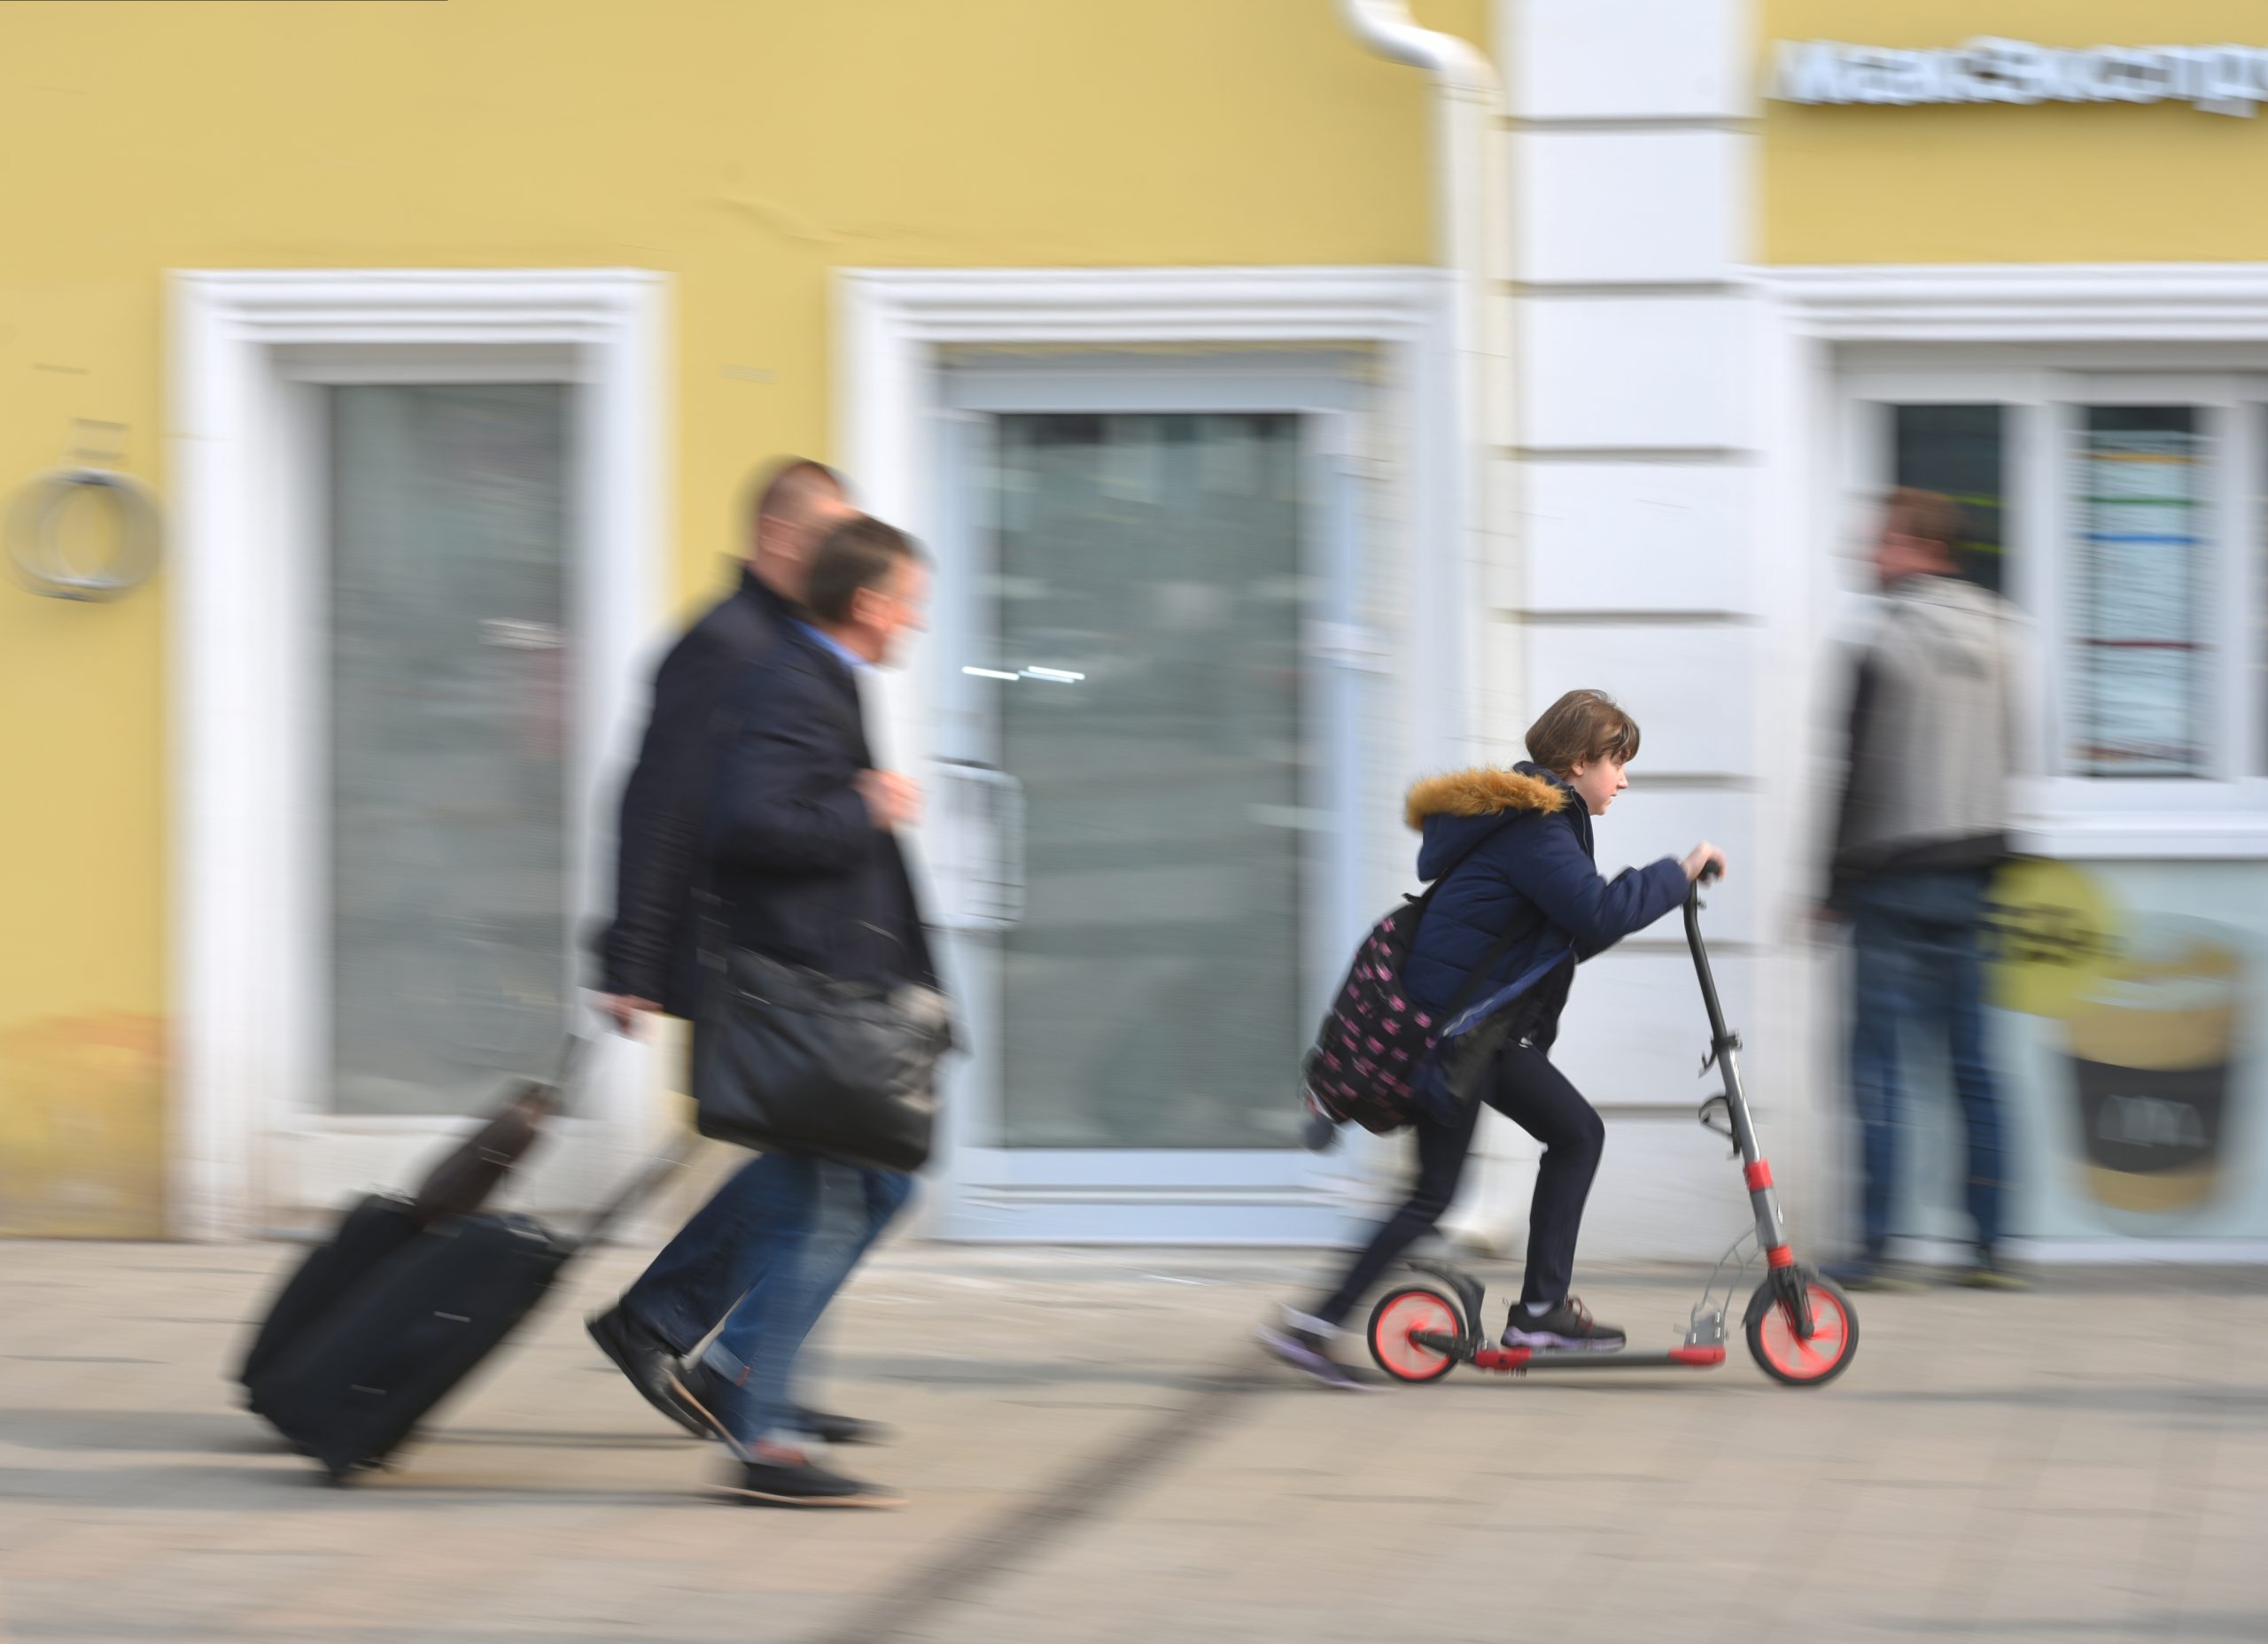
<point x="1624" y="58"/>
<point x="1630" y="206"/>
<point x="1635" y="537"/>
<point x="1646" y="371"/>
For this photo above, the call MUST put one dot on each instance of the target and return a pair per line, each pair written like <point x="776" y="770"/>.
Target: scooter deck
<point x="1572" y="1359"/>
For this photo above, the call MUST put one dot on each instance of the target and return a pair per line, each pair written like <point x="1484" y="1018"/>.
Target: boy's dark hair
<point x="860" y="553"/>
<point x="1582" y="728"/>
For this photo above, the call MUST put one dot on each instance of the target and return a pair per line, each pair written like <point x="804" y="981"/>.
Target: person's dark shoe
<point x="834" y="1428"/>
<point x="1990" y="1271"/>
<point x="697" y="1396"/>
<point x="1567" y="1328"/>
<point x="651" y="1366"/>
<point x="1303" y="1351"/>
<point x="704" y="1396"/>
<point x="776" y="1476"/>
<point x="1871" y="1274"/>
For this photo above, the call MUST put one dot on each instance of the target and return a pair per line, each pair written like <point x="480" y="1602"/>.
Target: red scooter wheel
<point x="1803" y="1361"/>
<point x="1401" y="1317"/>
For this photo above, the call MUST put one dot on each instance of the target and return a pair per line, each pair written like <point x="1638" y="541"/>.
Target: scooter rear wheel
<point x="1406" y="1312"/>
<point x="1801" y="1362"/>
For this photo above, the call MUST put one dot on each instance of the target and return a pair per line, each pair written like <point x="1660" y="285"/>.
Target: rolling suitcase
<point x="381" y="1223"/>
<point x="375" y="1365"/>
<point x="374" y="1229"/>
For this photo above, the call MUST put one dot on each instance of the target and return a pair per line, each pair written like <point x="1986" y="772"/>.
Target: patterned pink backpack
<point x="1376" y="1041"/>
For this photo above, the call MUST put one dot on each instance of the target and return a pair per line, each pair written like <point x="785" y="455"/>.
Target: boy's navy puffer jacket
<point x="1533" y="872"/>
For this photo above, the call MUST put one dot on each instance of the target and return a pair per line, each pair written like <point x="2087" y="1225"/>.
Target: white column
<point x="1622" y="520"/>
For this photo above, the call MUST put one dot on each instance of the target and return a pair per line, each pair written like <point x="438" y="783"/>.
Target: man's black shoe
<point x="842" y="1428"/>
<point x="778" y="1477"/>
<point x="651" y="1366"/>
<point x="699" y="1392"/>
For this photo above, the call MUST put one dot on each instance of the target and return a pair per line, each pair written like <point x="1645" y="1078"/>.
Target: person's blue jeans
<point x="829" y="1215"/>
<point x="1917" y="942"/>
<point x="718" y="1257"/>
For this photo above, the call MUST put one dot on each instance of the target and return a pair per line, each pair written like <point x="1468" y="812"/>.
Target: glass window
<point x="1958" y="450"/>
<point x="2140" y="601"/>
<point x="448" y="726"/>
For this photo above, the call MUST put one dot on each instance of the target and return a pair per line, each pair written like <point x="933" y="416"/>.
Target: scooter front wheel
<point x="1801" y="1360"/>
<point x="1399" y="1318"/>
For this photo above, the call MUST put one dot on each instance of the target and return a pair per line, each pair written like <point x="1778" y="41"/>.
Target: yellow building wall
<point x="745" y="147"/>
<point x="2049" y="182"/>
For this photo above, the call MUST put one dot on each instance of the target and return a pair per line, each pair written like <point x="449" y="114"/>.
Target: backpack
<point x="1376" y="1041"/>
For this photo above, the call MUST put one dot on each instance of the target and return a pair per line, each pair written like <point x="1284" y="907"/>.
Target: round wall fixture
<point x="48" y="564"/>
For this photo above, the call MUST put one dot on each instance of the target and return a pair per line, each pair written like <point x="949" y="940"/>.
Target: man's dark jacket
<point x="1530" y="872"/>
<point x="805" y="875"/>
<point x="652" y="948"/>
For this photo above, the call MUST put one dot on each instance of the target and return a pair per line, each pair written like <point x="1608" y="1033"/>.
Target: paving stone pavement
<point x="1092" y="1451"/>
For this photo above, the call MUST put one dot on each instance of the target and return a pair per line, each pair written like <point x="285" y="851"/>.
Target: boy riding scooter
<point x="1521" y="900"/>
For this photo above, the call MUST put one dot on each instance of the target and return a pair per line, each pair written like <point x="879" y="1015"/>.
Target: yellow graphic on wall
<point x="2145" y="1024"/>
<point x="2056" y="936"/>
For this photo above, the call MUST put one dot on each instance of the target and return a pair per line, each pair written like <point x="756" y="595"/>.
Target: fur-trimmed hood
<point x="1486" y="791"/>
<point x="1454" y="810"/>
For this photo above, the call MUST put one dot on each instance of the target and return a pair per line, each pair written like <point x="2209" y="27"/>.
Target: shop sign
<point x="2219" y="78"/>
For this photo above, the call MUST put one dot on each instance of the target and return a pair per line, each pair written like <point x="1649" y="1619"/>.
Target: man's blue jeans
<point x="723" y="1260"/>
<point x="830" y="1214"/>
<point x="1917" y="941"/>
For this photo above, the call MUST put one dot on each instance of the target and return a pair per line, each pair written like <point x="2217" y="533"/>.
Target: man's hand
<point x="627" y="1011"/>
<point x="892" y="800"/>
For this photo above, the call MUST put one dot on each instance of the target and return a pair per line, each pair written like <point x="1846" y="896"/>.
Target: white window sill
<point x="2228" y="836"/>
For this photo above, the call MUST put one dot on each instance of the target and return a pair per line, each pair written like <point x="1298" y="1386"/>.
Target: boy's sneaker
<point x="1303" y="1351"/>
<point x="1568" y="1326"/>
<point x="1989" y="1271"/>
<point x="775" y="1476"/>
<point x="1868" y="1274"/>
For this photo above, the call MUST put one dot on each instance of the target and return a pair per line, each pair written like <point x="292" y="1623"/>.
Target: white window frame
<point x="245" y="699"/>
<point x="2040" y="340"/>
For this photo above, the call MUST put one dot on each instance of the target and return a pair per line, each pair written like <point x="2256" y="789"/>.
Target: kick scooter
<point x="1800" y="1326"/>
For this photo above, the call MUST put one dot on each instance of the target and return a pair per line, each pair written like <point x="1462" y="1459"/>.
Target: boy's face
<point x="1599" y="781"/>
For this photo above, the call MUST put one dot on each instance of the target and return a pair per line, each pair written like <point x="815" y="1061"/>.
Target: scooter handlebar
<point x="1716" y="1028"/>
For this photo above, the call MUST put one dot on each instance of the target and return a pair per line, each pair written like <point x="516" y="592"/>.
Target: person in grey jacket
<point x="1935" y="732"/>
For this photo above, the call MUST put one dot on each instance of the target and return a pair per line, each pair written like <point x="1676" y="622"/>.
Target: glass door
<point x="1140" y="816"/>
<point x="444" y="762"/>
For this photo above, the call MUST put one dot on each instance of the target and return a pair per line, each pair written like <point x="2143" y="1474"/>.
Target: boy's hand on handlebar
<point x="1700" y="859"/>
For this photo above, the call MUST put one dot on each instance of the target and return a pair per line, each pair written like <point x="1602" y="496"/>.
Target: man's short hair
<point x="1583" y="728"/>
<point x="860" y="553"/>
<point x="786" y="490"/>
<point x="1930" y="516"/>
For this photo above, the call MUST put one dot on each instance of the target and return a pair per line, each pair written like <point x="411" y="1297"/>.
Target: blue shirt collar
<point x="849" y="658"/>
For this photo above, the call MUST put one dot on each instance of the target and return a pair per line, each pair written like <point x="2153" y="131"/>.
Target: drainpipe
<point x="1467" y="212"/>
<point x="1468" y="207"/>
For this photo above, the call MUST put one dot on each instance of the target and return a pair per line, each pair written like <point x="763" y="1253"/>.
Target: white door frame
<point x="893" y="329"/>
<point x="245" y="702"/>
